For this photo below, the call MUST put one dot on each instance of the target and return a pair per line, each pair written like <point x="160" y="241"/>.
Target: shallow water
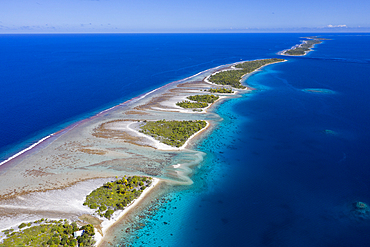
<point x="37" y="205"/>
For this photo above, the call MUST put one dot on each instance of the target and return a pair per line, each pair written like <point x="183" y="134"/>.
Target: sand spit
<point x="103" y="146"/>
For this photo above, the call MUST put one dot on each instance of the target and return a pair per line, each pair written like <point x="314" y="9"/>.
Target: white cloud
<point x="336" y="25"/>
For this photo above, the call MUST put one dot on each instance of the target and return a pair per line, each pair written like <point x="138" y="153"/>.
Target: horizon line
<point x="195" y="32"/>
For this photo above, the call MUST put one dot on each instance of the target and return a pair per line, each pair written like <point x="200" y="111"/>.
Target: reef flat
<point x="318" y="90"/>
<point x="93" y="151"/>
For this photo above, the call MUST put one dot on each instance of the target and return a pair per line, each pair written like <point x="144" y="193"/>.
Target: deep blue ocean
<point x="284" y="167"/>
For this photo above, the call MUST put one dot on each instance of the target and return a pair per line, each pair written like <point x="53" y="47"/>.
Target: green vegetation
<point x="206" y="98"/>
<point x="22" y="225"/>
<point x="49" y="233"/>
<point x="173" y="133"/>
<point x="233" y="77"/>
<point x="201" y="101"/>
<point x="305" y="46"/>
<point x="220" y="90"/>
<point x="116" y="195"/>
<point x="189" y="104"/>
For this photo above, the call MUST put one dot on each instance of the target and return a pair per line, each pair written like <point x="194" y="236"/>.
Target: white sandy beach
<point x="106" y="224"/>
<point x="161" y="146"/>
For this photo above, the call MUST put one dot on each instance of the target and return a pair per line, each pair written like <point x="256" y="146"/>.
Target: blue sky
<point x="181" y="16"/>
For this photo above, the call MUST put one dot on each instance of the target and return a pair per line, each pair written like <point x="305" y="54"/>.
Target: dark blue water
<point x="284" y="167"/>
